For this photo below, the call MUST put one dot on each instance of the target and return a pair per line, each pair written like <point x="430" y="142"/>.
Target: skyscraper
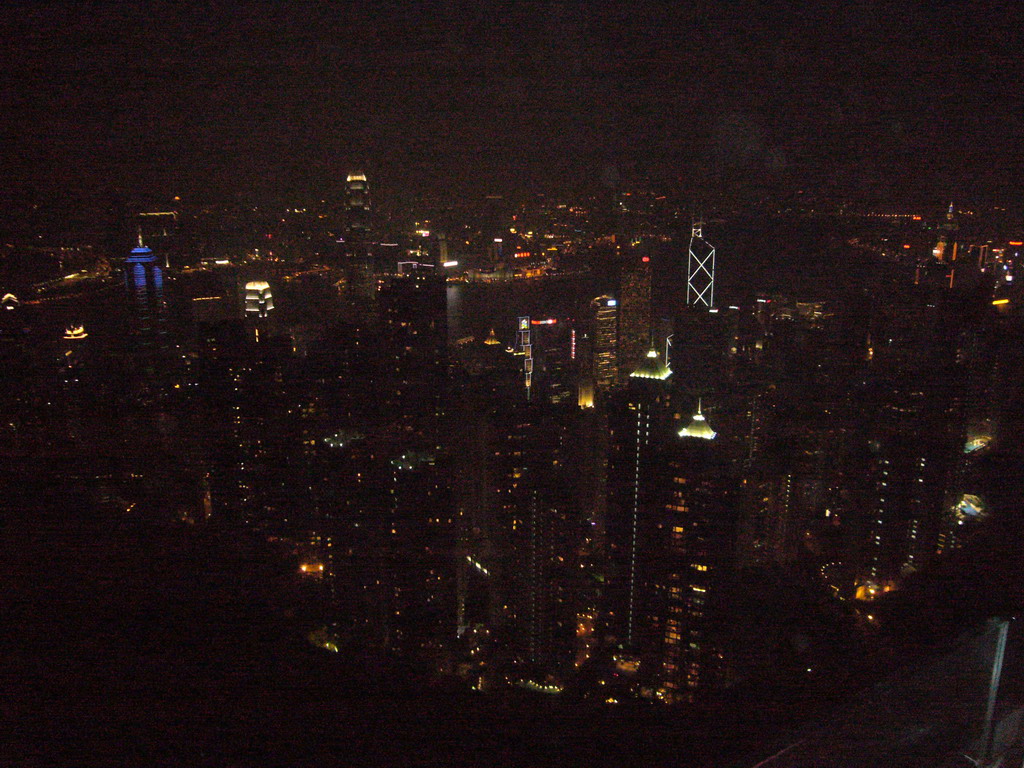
<point x="945" y="249"/>
<point x="605" y="345"/>
<point x="258" y="299"/>
<point x="693" y="554"/>
<point x="259" y="302"/>
<point x="912" y="448"/>
<point x="73" y="388"/>
<point x="357" y="205"/>
<point x="144" y="281"/>
<point x="355" y="251"/>
<point x="524" y="346"/>
<point x="639" y="427"/>
<point x="415" y="313"/>
<point x="417" y="571"/>
<point x="147" y="342"/>
<point x="634" y="314"/>
<point x="700" y="270"/>
<point x="536" y="530"/>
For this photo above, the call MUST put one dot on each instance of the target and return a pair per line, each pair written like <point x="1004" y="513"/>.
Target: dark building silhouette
<point x="414" y="318"/>
<point x="635" y="332"/>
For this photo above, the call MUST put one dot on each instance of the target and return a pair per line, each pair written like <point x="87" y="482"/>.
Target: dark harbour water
<point x="795" y="258"/>
<point x="474" y="308"/>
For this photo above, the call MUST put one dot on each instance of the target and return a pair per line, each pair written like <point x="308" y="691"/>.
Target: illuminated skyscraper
<point x="356" y="252"/>
<point x="647" y="394"/>
<point x="160" y="229"/>
<point x="357" y="204"/>
<point x="700" y="270"/>
<point x="698" y="427"/>
<point x="945" y="249"/>
<point x="144" y="280"/>
<point x="258" y="299"/>
<point x="524" y="345"/>
<point x="693" y="552"/>
<point x="555" y="373"/>
<point x="639" y="423"/>
<point x="258" y="304"/>
<point x="605" y="345"/>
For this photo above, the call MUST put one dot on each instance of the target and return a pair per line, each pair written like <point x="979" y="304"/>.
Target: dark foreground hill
<point x="127" y="642"/>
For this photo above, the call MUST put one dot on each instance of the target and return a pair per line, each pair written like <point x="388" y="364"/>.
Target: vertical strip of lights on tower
<point x="526" y="348"/>
<point x="700" y="270"/>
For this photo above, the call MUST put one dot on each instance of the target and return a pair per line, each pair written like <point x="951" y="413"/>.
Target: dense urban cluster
<point x="536" y="446"/>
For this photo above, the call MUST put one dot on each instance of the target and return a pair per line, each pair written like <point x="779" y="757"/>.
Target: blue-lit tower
<point x="144" y="280"/>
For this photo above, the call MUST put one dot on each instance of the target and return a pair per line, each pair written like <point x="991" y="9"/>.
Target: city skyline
<point x="525" y="384"/>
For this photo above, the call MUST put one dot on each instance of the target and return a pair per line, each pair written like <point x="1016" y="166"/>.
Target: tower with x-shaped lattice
<point x="700" y="270"/>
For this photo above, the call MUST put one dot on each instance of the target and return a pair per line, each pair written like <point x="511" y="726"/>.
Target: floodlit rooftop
<point x="652" y="368"/>
<point x="698" y="427"/>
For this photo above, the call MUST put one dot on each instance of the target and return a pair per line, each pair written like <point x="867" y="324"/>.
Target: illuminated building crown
<point x="651" y="367"/>
<point x="141" y="254"/>
<point x="698" y="427"/>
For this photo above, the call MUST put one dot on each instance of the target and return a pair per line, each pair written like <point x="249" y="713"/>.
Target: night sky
<point x="892" y="101"/>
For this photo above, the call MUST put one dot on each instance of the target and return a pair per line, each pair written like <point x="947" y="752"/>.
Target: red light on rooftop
<point x="906" y="246"/>
<point x="645" y="259"/>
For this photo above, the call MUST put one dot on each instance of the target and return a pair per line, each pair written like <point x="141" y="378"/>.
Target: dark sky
<point x="278" y="99"/>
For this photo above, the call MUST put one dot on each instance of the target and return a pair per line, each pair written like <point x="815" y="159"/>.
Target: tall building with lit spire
<point x="144" y="281"/>
<point x="356" y="251"/>
<point x="698" y="426"/>
<point x="694" y="552"/>
<point x="148" y="346"/>
<point x="946" y="247"/>
<point x="672" y="536"/>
